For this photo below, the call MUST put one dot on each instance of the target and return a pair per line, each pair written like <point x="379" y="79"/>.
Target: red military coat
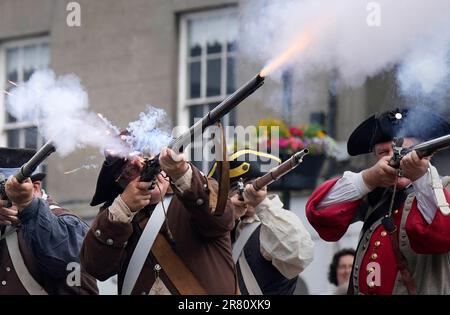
<point x="332" y="222"/>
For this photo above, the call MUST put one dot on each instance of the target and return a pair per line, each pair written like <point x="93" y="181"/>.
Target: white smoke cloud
<point x="413" y="34"/>
<point x="59" y="107"/>
<point x="150" y="133"/>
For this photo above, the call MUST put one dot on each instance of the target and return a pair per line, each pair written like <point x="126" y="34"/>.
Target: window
<point x="21" y="59"/>
<point x="207" y="65"/>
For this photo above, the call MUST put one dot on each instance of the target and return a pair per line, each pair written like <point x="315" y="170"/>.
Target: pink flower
<point x="295" y="143"/>
<point x="284" y="143"/>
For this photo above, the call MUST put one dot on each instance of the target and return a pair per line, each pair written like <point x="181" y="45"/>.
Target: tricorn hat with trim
<point x="12" y="159"/>
<point x="247" y="164"/>
<point x="417" y="122"/>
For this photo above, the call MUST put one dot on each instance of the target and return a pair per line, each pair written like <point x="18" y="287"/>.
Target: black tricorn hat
<point x="107" y="188"/>
<point x="246" y="164"/>
<point x="418" y="122"/>
<point x="15" y="158"/>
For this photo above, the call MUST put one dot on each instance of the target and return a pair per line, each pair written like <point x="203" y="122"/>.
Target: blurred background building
<point x="180" y="55"/>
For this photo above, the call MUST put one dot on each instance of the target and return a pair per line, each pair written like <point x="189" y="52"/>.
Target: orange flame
<point x="302" y="42"/>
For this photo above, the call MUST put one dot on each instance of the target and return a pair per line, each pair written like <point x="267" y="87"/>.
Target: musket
<point x="276" y="173"/>
<point x="151" y="166"/>
<point x="27" y="169"/>
<point x="423" y="149"/>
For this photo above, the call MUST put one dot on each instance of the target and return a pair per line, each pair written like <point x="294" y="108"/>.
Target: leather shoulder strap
<point x="25" y="277"/>
<point x="251" y="284"/>
<point x="176" y="270"/>
<point x="142" y="249"/>
<point x="243" y="238"/>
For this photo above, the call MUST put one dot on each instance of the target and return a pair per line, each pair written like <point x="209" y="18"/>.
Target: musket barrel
<point x="427" y="148"/>
<point x="211" y="118"/>
<point x="280" y="170"/>
<point x="218" y="112"/>
<point x="28" y="168"/>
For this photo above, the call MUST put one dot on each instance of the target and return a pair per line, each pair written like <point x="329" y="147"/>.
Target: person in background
<point x="340" y="270"/>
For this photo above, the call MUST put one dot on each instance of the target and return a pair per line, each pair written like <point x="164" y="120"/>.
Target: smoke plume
<point x="59" y="107"/>
<point x="358" y="39"/>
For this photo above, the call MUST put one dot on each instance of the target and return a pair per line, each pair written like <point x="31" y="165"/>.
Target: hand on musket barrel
<point x="19" y="193"/>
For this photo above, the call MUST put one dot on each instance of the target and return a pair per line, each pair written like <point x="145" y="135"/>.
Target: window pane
<point x="10" y="118"/>
<point x="232" y="46"/>
<point x="214" y="48"/>
<point x="231" y="75"/>
<point x="43" y="57"/>
<point x="197" y="164"/>
<point x="195" y="50"/>
<point x="30" y="61"/>
<point x="195" y="113"/>
<point x="13" y="138"/>
<point x="12" y="64"/>
<point x="194" y="79"/>
<point x="31" y="137"/>
<point x="213" y="77"/>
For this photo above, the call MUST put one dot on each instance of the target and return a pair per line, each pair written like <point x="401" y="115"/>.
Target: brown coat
<point x="10" y="283"/>
<point x="202" y="242"/>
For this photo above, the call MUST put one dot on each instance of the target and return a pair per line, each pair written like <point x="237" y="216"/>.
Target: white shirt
<point x="284" y="239"/>
<point x="352" y="187"/>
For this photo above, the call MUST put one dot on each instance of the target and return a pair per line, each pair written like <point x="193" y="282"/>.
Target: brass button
<point x="374" y="256"/>
<point x="8" y="269"/>
<point x="109" y="242"/>
<point x="395" y="211"/>
<point x="377" y="243"/>
<point x="371" y="284"/>
<point x="384" y="233"/>
<point x="98" y="233"/>
<point x="3" y="282"/>
<point x="199" y="202"/>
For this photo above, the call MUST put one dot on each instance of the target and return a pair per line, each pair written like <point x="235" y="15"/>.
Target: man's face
<point x="385" y="149"/>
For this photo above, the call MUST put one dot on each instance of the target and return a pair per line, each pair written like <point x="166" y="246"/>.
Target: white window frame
<point x="184" y="103"/>
<point x="5" y="126"/>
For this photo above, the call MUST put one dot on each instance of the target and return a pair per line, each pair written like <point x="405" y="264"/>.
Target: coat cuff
<point x="111" y="233"/>
<point x="184" y="182"/>
<point x="120" y="212"/>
